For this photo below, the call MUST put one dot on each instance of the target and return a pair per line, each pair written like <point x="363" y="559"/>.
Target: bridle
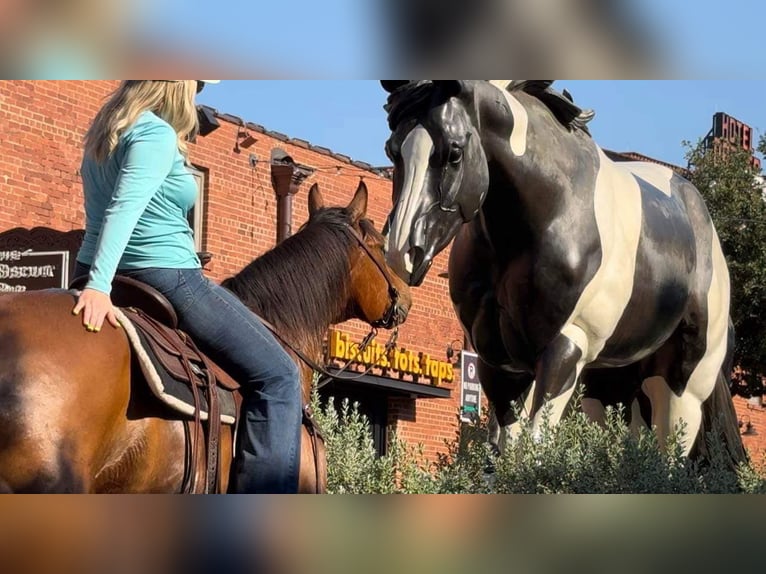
<point x="388" y="321"/>
<point x="389" y="317"/>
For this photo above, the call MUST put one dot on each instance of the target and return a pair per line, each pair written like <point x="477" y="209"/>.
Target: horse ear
<point x="391" y="85"/>
<point x="357" y="209"/>
<point x="316" y="202"/>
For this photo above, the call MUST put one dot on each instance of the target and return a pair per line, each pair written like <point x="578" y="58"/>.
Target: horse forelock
<point x="303" y="284"/>
<point x="411" y="101"/>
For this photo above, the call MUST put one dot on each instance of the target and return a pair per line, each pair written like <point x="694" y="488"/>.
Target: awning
<point x="390" y="386"/>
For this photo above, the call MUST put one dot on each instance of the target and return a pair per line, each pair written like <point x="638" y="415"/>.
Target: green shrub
<point x="575" y="456"/>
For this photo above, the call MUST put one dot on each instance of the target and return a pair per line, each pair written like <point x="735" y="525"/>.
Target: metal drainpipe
<point x="286" y="179"/>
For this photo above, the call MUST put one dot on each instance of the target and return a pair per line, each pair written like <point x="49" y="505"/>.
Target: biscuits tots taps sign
<point x="28" y="270"/>
<point x="470" y="393"/>
<point x="402" y="361"/>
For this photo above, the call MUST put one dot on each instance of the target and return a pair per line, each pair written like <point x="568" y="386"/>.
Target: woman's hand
<point x="96" y="306"/>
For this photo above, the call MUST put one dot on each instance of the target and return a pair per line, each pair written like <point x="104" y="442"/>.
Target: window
<point x="196" y="215"/>
<point x="373" y="404"/>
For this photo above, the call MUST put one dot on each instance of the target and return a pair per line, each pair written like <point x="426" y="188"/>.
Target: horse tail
<point x="5" y="488"/>
<point x="719" y="415"/>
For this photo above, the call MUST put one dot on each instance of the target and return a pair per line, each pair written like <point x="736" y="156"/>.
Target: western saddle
<point x="174" y="352"/>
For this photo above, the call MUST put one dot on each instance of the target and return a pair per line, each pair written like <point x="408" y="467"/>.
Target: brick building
<point x="41" y="128"/>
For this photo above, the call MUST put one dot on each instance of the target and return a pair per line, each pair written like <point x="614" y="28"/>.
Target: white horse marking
<point x="658" y="175"/>
<point x="618" y="210"/>
<point x="417" y="149"/>
<point x="520" y="118"/>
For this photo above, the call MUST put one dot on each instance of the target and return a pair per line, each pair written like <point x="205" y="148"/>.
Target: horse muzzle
<point x="421" y="263"/>
<point x="409" y="259"/>
<point x="397" y="312"/>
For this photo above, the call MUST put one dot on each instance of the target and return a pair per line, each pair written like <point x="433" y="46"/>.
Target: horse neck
<point x="292" y="306"/>
<point x="530" y="182"/>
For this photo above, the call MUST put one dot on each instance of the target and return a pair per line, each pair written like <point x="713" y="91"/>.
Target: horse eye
<point x="455" y="154"/>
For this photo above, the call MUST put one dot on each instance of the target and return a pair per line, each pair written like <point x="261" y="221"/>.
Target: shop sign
<point x="29" y="270"/>
<point x="342" y="347"/>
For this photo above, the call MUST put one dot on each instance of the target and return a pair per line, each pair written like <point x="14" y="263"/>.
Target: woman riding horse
<point x="75" y="416"/>
<point x="563" y="261"/>
<point x="138" y="193"/>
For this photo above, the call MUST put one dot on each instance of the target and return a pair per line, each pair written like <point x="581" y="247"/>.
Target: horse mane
<point x="302" y="284"/>
<point x="415" y="97"/>
<point x="562" y="105"/>
<point x="412" y="99"/>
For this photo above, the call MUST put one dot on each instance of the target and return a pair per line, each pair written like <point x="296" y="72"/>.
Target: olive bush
<point x="575" y="456"/>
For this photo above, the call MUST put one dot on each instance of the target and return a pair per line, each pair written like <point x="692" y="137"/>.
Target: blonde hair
<point x="171" y="100"/>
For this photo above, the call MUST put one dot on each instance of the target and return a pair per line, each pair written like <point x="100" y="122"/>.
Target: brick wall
<point x="41" y="129"/>
<point x="754" y="438"/>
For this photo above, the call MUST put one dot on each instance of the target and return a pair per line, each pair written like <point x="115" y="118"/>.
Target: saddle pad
<point x="172" y="392"/>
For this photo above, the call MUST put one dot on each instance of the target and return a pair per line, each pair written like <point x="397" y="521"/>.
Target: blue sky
<point x="650" y="117"/>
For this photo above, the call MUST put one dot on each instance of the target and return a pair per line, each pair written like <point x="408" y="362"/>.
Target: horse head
<point x="377" y="295"/>
<point x="441" y="176"/>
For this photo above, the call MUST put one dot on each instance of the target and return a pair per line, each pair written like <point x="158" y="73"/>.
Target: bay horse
<point x="75" y="418"/>
<point x="564" y="262"/>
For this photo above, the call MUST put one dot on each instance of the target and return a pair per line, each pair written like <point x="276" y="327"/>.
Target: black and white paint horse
<point x="565" y="263"/>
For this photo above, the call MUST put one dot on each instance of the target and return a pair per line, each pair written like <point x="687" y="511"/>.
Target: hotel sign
<point x="729" y="133"/>
<point x="341" y="347"/>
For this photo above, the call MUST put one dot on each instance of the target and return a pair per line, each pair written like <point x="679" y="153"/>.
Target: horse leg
<point x="660" y="374"/>
<point x="702" y="342"/>
<point x="558" y="370"/>
<point x="683" y="374"/>
<point x="502" y="389"/>
<point x="611" y="387"/>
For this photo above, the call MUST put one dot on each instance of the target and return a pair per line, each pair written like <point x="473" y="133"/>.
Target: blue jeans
<point x="226" y="330"/>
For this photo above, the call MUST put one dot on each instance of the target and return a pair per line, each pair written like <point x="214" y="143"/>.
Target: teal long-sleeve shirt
<point x="136" y="205"/>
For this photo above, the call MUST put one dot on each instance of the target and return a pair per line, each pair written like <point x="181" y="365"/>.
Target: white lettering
<point x="5" y="288"/>
<point x="10" y="255"/>
<point x="27" y="272"/>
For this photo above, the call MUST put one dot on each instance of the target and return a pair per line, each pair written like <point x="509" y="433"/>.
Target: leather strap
<point x="214" y="426"/>
<point x="388" y="319"/>
<point x="187" y="484"/>
<point x="187" y="351"/>
<point x="321" y="370"/>
<point x="313" y="429"/>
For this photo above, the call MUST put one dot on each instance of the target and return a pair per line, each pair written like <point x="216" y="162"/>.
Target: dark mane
<point x="411" y="100"/>
<point x="570" y="115"/>
<point x="303" y="283"/>
<point x="417" y="97"/>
